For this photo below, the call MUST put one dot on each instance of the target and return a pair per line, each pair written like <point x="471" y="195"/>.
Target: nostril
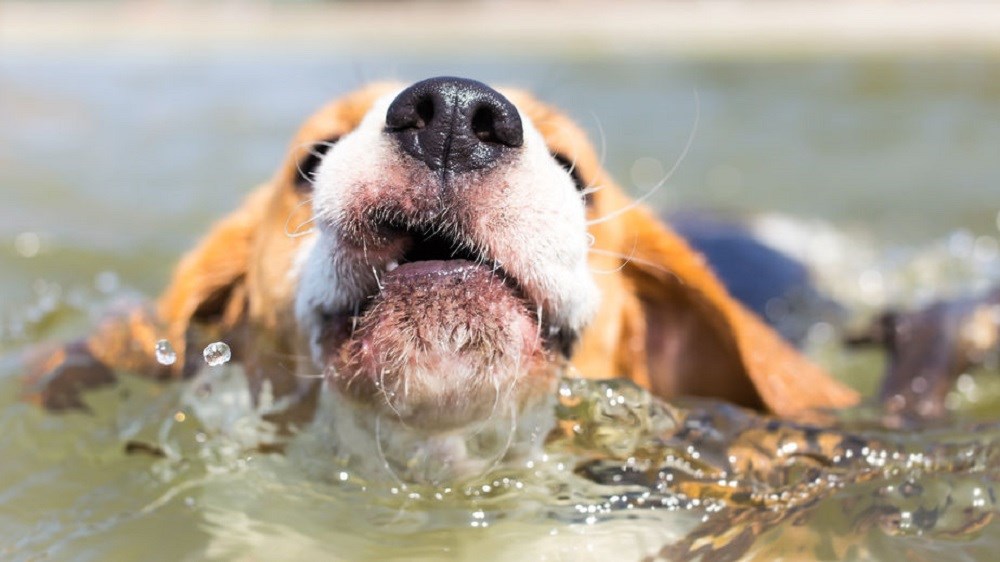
<point x="489" y="125"/>
<point x="425" y="112"/>
<point x="484" y="125"/>
<point x="410" y="112"/>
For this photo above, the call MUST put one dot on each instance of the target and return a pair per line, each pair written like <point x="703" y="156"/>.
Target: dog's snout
<point x="454" y="124"/>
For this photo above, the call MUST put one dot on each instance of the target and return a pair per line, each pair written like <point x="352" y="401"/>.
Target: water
<point x="165" y="354"/>
<point x="880" y="173"/>
<point x="217" y="353"/>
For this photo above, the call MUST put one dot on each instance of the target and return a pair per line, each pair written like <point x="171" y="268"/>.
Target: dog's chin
<point x="442" y="345"/>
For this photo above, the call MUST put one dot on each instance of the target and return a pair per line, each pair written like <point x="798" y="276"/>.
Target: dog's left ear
<point x="700" y="341"/>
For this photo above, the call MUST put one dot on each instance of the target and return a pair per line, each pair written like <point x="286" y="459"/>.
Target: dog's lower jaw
<point x="376" y="445"/>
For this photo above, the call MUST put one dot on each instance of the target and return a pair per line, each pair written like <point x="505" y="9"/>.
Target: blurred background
<point x="861" y="136"/>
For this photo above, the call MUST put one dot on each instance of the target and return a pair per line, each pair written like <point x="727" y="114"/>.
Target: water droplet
<point x="217" y="353"/>
<point x="165" y="354"/>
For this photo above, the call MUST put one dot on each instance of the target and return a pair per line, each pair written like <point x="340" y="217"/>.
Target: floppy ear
<point x="700" y="341"/>
<point x="206" y="299"/>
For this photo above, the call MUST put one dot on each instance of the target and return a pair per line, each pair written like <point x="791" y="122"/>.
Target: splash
<point x="165" y="354"/>
<point x="217" y="354"/>
<point x="750" y="477"/>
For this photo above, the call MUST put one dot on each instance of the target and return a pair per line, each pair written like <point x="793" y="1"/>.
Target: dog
<point x="435" y="254"/>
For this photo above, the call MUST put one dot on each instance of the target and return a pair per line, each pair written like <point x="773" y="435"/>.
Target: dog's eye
<point x="307" y="166"/>
<point x="570" y="167"/>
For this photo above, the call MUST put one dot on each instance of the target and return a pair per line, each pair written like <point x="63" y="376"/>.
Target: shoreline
<point x="782" y="28"/>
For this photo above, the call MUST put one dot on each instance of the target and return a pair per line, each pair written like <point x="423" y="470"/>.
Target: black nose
<point x="454" y="124"/>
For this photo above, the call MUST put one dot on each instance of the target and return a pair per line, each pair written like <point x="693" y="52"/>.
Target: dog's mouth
<point x="430" y="256"/>
<point x="446" y="334"/>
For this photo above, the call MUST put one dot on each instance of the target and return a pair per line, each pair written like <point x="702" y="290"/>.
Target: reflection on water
<point x="627" y="475"/>
<point x="750" y="476"/>
<point x="114" y="164"/>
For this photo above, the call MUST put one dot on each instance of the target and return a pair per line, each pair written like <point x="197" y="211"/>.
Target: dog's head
<point x="448" y="270"/>
<point x="435" y="250"/>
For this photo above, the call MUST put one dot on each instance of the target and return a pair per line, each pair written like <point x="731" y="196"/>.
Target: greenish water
<point x="881" y="174"/>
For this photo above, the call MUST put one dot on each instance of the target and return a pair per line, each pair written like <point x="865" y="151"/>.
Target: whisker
<point x="640" y="261"/>
<point x="381" y="452"/>
<point x="304" y="232"/>
<point x="642" y="199"/>
<point x="603" y="138"/>
<point x="496" y="399"/>
<point x="572" y="165"/>
<point x="297" y="233"/>
<point x="310" y="146"/>
<point x="626" y="259"/>
<point x="385" y="394"/>
<point x="513" y="386"/>
<point x="510" y="440"/>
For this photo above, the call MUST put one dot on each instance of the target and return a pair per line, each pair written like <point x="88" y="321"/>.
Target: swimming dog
<point x="435" y="253"/>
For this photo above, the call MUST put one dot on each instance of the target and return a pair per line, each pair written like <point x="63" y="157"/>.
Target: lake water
<point x="881" y="173"/>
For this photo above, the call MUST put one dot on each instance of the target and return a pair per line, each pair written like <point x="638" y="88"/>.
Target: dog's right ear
<point x="207" y="297"/>
<point x="205" y="301"/>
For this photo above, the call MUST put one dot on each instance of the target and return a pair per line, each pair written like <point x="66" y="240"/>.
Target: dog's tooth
<point x="391" y="265"/>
